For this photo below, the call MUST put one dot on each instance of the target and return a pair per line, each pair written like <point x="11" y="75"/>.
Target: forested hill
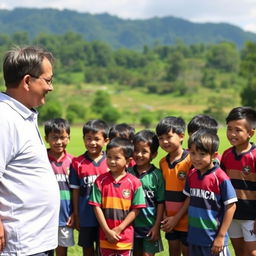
<point x="118" y="32"/>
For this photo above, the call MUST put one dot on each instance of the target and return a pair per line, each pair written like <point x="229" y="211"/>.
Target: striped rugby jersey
<point x="61" y="171"/>
<point x="209" y="194"/>
<point x="116" y="200"/>
<point x="153" y="186"/>
<point x="83" y="173"/>
<point x="175" y="175"/>
<point x="242" y="171"/>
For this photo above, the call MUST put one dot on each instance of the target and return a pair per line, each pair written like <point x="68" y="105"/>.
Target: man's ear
<point x="26" y="82"/>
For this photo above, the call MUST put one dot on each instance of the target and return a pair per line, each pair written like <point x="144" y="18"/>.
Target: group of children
<point x="119" y="201"/>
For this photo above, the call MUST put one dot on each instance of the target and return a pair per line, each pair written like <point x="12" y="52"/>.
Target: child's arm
<point x="75" y="200"/>
<point x="154" y="232"/>
<point x="170" y="222"/>
<point x="111" y="235"/>
<point x="127" y="221"/>
<point x="218" y="242"/>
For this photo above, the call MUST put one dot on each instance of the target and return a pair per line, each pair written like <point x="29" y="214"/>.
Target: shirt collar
<point x="25" y="112"/>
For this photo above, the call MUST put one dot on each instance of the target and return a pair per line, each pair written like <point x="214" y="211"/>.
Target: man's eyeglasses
<point x="56" y="138"/>
<point x="48" y="81"/>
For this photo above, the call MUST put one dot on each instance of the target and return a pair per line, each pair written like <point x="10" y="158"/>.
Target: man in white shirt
<point x="29" y="195"/>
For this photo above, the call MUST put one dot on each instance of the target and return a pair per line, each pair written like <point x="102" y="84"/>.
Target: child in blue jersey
<point x="57" y="134"/>
<point x="239" y="162"/>
<point x="83" y="172"/>
<point x="211" y="198"/>
<point x="147" y="240"/>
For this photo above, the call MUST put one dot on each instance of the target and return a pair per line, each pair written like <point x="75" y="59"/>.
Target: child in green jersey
<point x="147" y="240"/>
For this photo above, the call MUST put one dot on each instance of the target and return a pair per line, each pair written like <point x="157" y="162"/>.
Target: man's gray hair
<point x="19" y="62"/>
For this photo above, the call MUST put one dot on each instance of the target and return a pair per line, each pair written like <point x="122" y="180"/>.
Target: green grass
<point x="76" y="147"/>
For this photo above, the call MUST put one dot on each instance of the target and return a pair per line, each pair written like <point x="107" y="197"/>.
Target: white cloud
<point x="250" y="27"/>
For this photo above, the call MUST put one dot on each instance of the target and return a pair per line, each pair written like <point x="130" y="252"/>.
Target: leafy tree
<point x="224" y="57"/>
<point x="248" y="60"/>
<point x="209" y="78"/>
<point x="146" y="120"/>
<point x="101" y="100"/>
<point x="76" y="110"/>
<point x="175" y="66"/>
<point x="50" y="110"/>
<point x="110" y="114"/>
<point x="216" y="108"/>
<point x="248" y="94"/>
<point x="102" y="54"/>
<point x="20" y="38"/>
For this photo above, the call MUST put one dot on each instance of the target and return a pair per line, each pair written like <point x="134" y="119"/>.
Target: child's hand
<point x="218" y="245"/>
<point x="154" y="234"/>
<point x="168" y="224"/>
<point x="112" y="236"/>
<point x="117" y="229"/>
<point x="71" y="221"/>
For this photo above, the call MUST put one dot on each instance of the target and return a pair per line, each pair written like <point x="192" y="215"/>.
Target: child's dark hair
<point x="123" y="143"/>
<point x="247" y="113"/>
<point x="202" y="122"/>
<point x="171" y="123"/>
<point x="148" y="137"/>
<point x="56" y="125"/>
<point x="122" y="130"/>
<point x="205" y="141"/>
<point x="96" y="125"/>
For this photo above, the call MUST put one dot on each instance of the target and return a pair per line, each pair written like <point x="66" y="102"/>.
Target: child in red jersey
<point x="57" y="134"/>
<point x="117" y="197"/>
<point x="239" y="162"/>
<point x="83" y="172"/>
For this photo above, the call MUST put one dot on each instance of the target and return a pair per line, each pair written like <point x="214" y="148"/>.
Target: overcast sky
<point x="238" y="12"/>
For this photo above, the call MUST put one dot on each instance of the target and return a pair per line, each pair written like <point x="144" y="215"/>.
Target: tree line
<point x="161" y="69"/>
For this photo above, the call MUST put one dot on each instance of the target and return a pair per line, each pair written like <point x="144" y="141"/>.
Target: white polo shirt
<point x="29" y="194"/>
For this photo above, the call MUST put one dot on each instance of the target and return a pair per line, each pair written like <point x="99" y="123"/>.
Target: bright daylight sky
<point x="238" y="12"/>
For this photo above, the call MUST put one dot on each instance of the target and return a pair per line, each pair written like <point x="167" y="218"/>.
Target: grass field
<point x="76" y="147"/>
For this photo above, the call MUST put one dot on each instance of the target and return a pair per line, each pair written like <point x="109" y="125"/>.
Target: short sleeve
<point x="160" y="195"/>
<point x="138" y="200"/>
<point x="74" y="180"/>
<point x="95" y="196"/>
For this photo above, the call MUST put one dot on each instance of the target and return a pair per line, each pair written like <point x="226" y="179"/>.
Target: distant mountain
<point x="119" y="32"/>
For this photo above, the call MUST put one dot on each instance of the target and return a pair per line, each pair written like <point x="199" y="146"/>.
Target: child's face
<point x="116" y="160"/>
<point x="57" y="141"/>
<point x="142" y="154"/>
<point x="94" y="142"/>
<point x="201" y="160"/>
<point x="170" y="142"/>
<point x="238" y="132"/>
